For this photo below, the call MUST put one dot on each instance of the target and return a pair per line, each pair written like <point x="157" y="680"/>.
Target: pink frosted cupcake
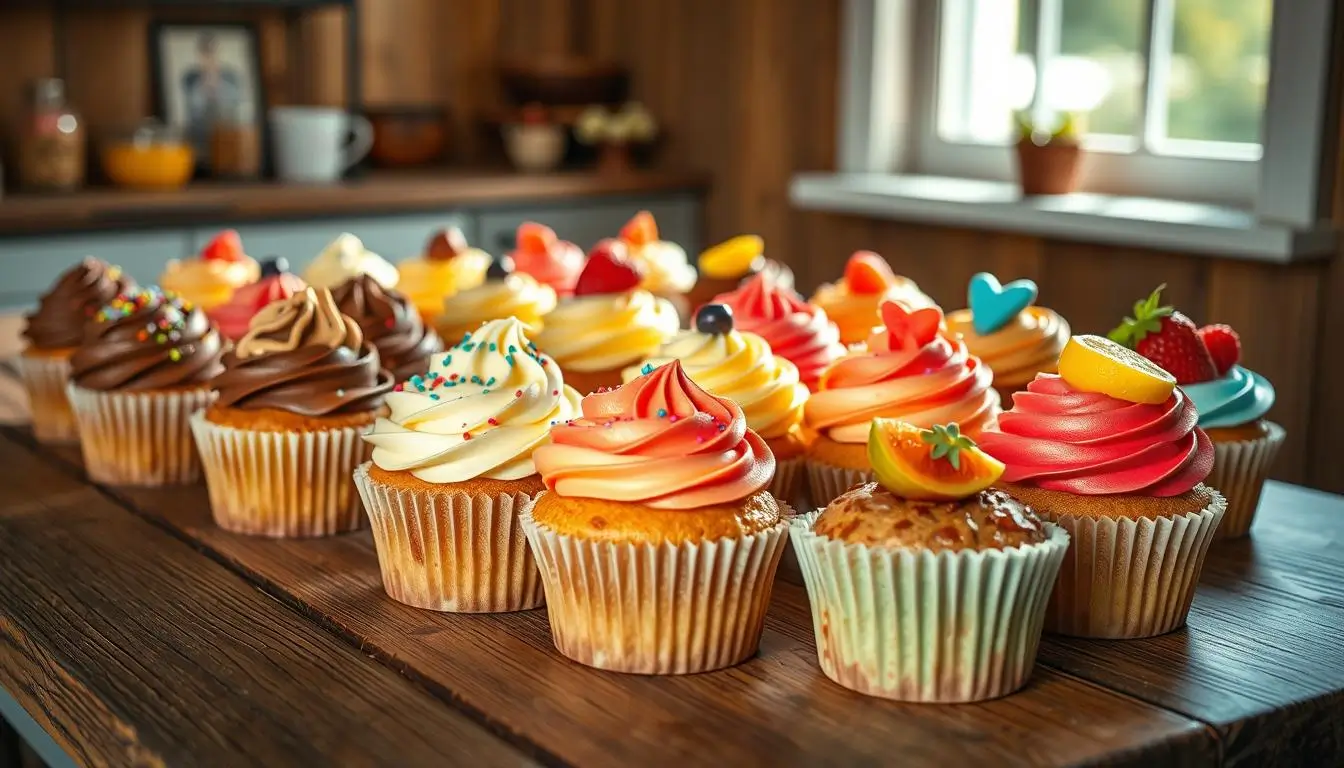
<point x="276" y="283"/>
<point x="548" y="259"/>
<point x="795" y="330"/>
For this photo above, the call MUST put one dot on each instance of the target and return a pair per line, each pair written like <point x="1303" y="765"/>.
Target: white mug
<point x="317" y="144"/>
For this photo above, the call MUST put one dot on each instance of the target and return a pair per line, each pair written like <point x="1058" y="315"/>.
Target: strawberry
<point x="609" y="270"/>
<point x="1167" y="338"/>
<point x="1224" y="346"/>
<point x="867" y="273"/>
<point x="226" y="246"/>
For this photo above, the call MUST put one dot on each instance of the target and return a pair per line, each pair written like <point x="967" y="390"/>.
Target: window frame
<point x="888" y="115"/>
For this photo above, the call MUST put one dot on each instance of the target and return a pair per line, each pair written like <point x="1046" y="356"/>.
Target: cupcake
<point x="52" y="334"/>
<point x="452" y="469"/>
<point x="505" y="293"/>
<point x="276" y="283"/>
<point x="609" y="324"/>
<point x="388" y="319"/>
<point x="724" y="267"/>
<point x="927" y="585"/>
<point x="666" y="271"/>
<point x="211" y="279"/>
<point x="794" y="329"/>
<point x="144" y="367"/>
<point x="548" y="259"/>
<point x="911" y="370"/>
<point x="345" y="257"/>
<point x="1232" y="402"/>
<point x="280" y="443"/>
<point x="853" y="301"/>
<point x="741" y="367"/>
<point x="1109" y="450"/>
<point x="1003" y="327"/>
<point x="447" y="266"/>
<point x="657" y="538"/>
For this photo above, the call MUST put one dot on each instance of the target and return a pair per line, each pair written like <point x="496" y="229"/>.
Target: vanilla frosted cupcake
<point x="346" y="257"/>
<point x="741" y="367"/>
<point x="452" y="468"/>
<point x="448" y="265"/>
<point x="609" y="324"/>
<point x="1003" y="327"/>
<point x="505" y="293"/>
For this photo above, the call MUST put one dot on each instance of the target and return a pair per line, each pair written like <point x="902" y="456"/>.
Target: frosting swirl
<point x="447" y="266"/>
<point x="1238" y="397"/>
<point x="664" y="265"/>
<point x="345" y="257"/>
<point x="78" y="293"/>
<point x="659" y="440"/>
<point x="233" y="317"/>
<point x="795" y="330"/>
<point x="926" y="381"/>
<point x="479" y="411"/>
<point x="303" y="356"/>
<point x="208" y="283"/>
<point x="557" y="265"/>
<point x="855" y="313"/>
<point x="515" y="295"/>
<point x="1029" y="344"/>
<point x="741" y="367"/>
<point x="605" y="331"/>
<point x="1060" y="439"/>
<point x="145" y="340"/>
<point x="389" y="321"/>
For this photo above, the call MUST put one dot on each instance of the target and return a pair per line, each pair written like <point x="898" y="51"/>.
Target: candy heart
<point x="609" y="270"/>
<point x="992" y="305"/>
<point x="910" y="329"/>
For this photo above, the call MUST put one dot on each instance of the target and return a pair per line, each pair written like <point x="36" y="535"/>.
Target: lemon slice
<point x="1097" y="364"/>
<point x="733" y="257"/>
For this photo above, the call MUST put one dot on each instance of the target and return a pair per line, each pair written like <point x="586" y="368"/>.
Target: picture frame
<point x="204" y="73"/>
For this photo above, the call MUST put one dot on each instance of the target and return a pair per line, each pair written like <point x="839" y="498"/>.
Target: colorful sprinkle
<point x="647" y="369"/>
<point x="662" y="413"/>
<point x="175" y="354"/>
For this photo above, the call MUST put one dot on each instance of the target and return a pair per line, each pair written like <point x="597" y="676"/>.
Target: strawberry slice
<point x="1224" y="346"/>
<point x="226" y="246"/>
<point x="867" y="273"/>
<point x="535" y="238"/>
<point x="640" y="230"/>
<point x="609" y="270"/>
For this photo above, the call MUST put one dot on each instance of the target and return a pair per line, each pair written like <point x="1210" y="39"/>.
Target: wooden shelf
<point x="204" y="203"/>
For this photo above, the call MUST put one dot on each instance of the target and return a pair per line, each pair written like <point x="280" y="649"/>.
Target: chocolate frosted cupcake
<point x="281" y="443"/>
<point x="389" y="320"/>
<point x="143" y="369"/>
<point x="53" y="333"/>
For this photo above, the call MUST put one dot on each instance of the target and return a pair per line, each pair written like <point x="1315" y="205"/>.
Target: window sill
<point x="1132" y="221"/>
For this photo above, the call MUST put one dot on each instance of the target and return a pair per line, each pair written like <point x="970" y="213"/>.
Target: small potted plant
<point x="614" y="133"/>
<point x="1049" y="154"/>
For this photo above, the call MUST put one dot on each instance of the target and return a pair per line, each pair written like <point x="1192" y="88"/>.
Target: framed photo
<point x="206" y="73"/>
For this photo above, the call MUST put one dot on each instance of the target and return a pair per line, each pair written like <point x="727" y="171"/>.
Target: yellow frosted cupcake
<point x="346" y="257"/>
<point x="210" y="279"/>
<point x="1003" y="327"/>
<point x="505" y="293"/>
<point x="447" y="266"/>
<point x="852" y="302"/>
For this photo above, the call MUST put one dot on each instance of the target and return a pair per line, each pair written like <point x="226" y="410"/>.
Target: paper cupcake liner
<point x="914" y="625"/>
<point x="451" y="551"/>
<point x="46" y="379"/>
<point x="281" y="484"/>
<point x="657" y="609"/>
<point x="138" y="438"/>
<point x="1128" y="578"/>
<point x="827" y="483"/>
<point x="1240" y="469"/>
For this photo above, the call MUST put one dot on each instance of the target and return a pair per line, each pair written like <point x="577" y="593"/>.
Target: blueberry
<point x="715" y="319"/>
<point x="500" y="268"/>
<point x="277" y="265"/>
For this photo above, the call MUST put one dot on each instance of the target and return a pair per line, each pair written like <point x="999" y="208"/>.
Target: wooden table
<point x="133" y="631"/>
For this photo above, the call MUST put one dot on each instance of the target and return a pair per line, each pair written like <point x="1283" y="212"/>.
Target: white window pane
<point x="1100" y="68"/>
<point x="1218" y="70"/>
<point x="985" y="70"/>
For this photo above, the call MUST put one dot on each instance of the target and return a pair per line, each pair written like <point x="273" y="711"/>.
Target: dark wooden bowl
<point x="405" y="136"/>
<point x="564" y="81"/>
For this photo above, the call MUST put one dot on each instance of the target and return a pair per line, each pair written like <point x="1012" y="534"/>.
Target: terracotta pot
<point x="614" y="158"/>
<point x="1048" y="170"/>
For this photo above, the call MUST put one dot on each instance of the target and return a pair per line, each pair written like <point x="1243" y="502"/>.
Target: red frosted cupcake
<point x="276" y="283"/>
<point x="795" y="330"/>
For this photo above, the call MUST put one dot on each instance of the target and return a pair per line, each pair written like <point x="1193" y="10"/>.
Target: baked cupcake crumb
<point x="872" y="515"/>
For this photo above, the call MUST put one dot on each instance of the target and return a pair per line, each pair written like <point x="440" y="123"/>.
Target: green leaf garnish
<point x="947" y="442"/>
<point x="1148" y="314"/>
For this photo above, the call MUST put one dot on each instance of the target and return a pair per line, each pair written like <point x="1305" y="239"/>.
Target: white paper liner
<point x="451" y="551"/>
<point x="1128" y="578"/>
<point x="657" y="609"/>
<point x="827" y="483"/>
<point x="45" y="379"/>
<point x="139" y="438"/>
<point x="919" y="626"/>
<point x="281" y="484"/>
<point x="1240" y="469"/>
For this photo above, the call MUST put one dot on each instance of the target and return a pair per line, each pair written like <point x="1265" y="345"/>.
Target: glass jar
<point x="235" y="145"/>
<point x="51" y="141"/>
<point x="149" y="156"/>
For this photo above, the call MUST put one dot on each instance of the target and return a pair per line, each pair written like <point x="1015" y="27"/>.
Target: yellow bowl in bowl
<point x="157" y="166"/>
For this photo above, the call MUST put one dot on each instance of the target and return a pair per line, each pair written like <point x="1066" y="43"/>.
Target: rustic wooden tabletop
<point x="136" y="632"/>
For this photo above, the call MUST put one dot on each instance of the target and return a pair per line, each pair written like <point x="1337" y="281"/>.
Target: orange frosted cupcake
<point x="53" y="333"/>
<point x="281" y="441"/>
<point x="911" y="370"/>
<point x="656" y="537"/>
<point x="852" y="302"/>
<point x="210" y="280"/>
<point x="1003" y="327"/>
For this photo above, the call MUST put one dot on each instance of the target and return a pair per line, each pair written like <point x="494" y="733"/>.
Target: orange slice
<point x="938" y="464"/>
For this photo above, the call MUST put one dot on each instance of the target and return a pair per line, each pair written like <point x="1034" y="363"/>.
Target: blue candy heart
<point x="994" y="306"/>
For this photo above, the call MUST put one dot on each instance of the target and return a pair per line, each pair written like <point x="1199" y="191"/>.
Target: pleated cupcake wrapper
<point x="46" y="380"/>
<point x="1129" y="578"/>
<point x="919" y="626"/>
<point x="827" y="482"/>
<point x="452" y="551"/>
<point x="281" y="484"/>
<point x="1239" y="472"/>
<point x="138" y="438"/>
<point x="657" y="609"/>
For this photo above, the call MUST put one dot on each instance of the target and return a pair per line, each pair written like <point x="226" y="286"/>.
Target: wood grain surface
<point x="130" y="648"/>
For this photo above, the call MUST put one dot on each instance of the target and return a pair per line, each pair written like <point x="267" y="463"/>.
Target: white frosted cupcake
<point x="346" y="257"/>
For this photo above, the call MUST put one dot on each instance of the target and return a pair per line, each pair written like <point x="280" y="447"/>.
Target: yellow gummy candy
<point x="732" y="258"/>
<point x="1097" y="364"/>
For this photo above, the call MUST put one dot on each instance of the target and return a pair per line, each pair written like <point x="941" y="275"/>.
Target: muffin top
<point x="146" y="339"/>
<point x="388" y="319"/>
<point x="301" y="355"/>
<point x="795" y="330"/>
<point x="664" y="265"/>
<point x="345" y="257"/>
<point x="872" y="515"/>
<point x="1002" y="326"/>
<point x="78" y="293"/>
<point x="852" y="302"/>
